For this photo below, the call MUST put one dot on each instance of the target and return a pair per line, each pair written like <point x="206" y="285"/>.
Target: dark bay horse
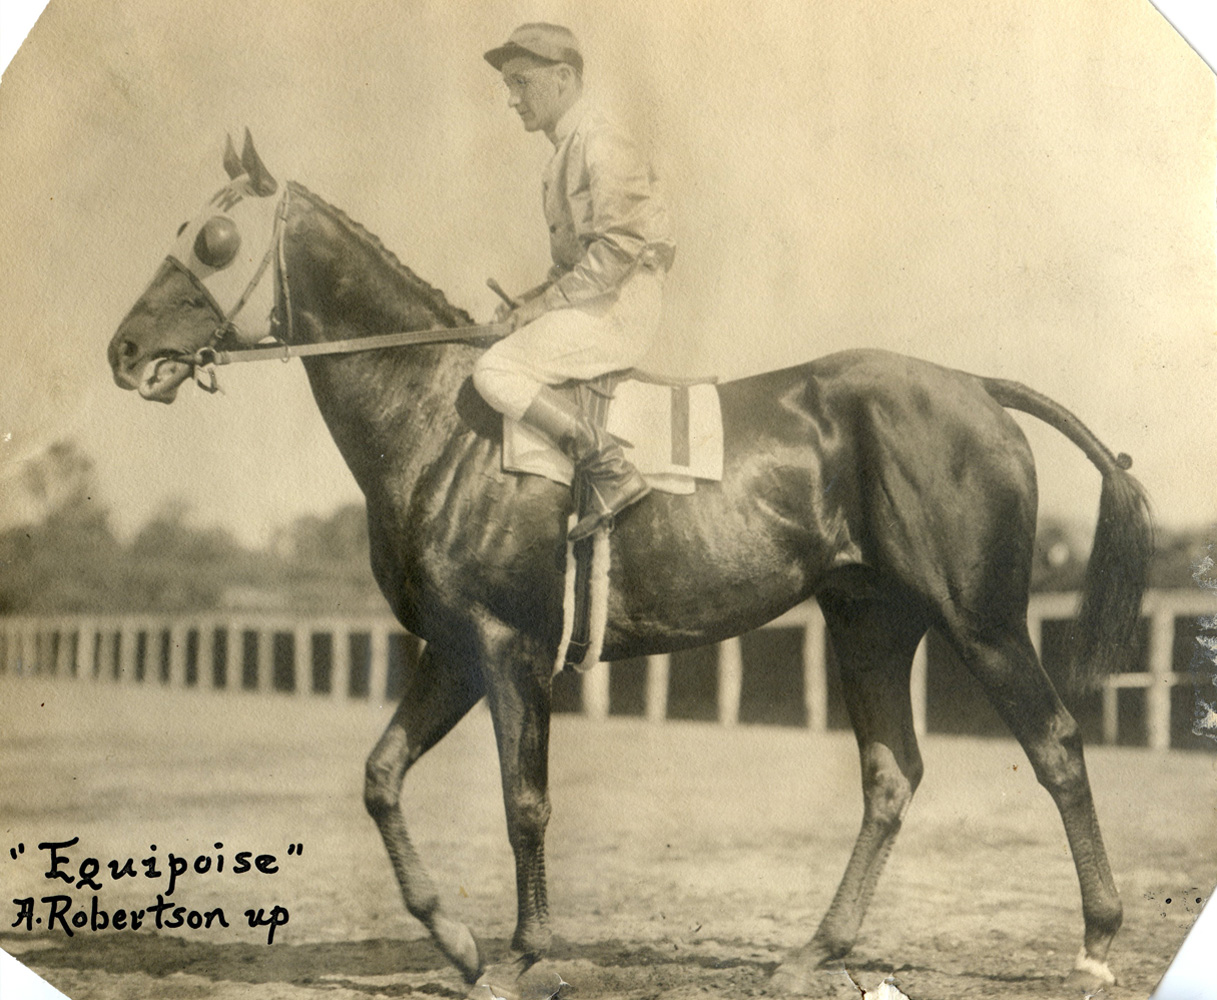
<point x="899" y="494"/>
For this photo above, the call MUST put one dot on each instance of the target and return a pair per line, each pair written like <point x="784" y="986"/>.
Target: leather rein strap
<point x="402" y="338"/>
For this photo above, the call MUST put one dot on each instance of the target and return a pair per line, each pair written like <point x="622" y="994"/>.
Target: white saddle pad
<point x="675" y="436"/>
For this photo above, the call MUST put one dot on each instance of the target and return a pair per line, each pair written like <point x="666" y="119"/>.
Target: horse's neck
<point x="390" y="411"/>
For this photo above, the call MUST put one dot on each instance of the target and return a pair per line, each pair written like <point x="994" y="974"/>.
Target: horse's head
<point x="217" y="268"/>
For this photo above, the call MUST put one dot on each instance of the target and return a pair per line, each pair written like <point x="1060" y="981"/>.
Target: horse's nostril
<point x="129" y="350"/>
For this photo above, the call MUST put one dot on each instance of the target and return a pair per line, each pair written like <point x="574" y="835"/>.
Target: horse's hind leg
<point x="874" y="642"/>
<point x="1008" y="668"/>
<point x="439" y="691"/>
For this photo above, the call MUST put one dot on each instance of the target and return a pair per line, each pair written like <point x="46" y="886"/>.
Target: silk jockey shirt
<point x="605" y="213"/>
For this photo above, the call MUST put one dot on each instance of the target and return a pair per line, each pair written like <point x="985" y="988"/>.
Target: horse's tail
<point x="1105" y="633"/>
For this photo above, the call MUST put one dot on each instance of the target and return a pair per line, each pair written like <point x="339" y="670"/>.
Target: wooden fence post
<point x="340" y="662"/>
<point x="730" y="681"/>
<point x="378" y="665"/>
<point x="658" y="668"/>
<point x="30" y="648"/>
<point x="206" y="656"/>
<point x="128" y="650"/>
<point x="815" y="670"/>
<point x="234" y="654"/>
<point x="302" y="653"/>
<point x="65" y="655"/>
<point x="595" y="692"/>
<point x="178" y="634"/>
<point x="266" y="656"/>
<point x="1158" y="694"/>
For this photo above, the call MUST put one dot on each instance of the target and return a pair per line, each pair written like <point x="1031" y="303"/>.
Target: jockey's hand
<point x="526" y="312"/>
<point x="502" y="312"/>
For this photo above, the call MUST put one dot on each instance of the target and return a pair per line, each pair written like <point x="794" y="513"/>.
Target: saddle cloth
<point x="672" y="433"/>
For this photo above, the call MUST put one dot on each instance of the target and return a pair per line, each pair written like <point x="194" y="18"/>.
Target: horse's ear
<point x="232" y="162"/>
<point x="263" y="183"/>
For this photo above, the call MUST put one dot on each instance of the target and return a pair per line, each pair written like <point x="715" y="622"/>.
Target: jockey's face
<point x="539" y="92"/>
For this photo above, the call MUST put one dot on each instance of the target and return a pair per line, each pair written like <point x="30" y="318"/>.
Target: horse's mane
<point x="431" y="296"/>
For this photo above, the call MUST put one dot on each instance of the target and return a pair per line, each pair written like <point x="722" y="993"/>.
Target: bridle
<point x="203" y="362"/>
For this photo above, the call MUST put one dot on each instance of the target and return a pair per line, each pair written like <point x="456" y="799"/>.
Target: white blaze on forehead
<point x="254" y="217"/>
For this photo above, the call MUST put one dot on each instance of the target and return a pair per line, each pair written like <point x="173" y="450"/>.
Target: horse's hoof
<point x="493" y="984"/>
<point x="517" y="981"/>
<point x="459" y="946"/>
<point x="799" y="979"/>
<point x="1080" y="983"/>
<point x="1089" y="976"/>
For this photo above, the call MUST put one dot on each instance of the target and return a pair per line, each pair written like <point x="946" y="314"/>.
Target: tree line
<point x="64" y="556"/>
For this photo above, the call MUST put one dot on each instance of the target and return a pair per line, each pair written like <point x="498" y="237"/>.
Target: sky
<point x="1021" y="188"/>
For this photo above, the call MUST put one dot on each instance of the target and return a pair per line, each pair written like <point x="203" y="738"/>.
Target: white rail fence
<point x="366" y="658"/>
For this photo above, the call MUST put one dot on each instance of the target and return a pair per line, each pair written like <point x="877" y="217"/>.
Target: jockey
<point x="611" y="243"/>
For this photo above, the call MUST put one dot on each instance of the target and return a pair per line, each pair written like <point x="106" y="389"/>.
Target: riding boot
<point x="613" y="481"/>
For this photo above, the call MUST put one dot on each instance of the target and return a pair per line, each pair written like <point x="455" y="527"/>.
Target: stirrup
<point x="589" y="524"/>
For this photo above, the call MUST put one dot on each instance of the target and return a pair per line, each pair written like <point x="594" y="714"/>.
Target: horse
<point x="900" y="494"/>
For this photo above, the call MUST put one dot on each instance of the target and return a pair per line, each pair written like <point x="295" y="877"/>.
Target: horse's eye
<point x="182" y="228"/>
<point x="218" y="242"/>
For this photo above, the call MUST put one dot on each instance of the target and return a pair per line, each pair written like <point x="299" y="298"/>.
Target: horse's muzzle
<point x="162" y="377"/>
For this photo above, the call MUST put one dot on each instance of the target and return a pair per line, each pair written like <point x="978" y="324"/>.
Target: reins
<point x="204" y="361"/>
<point x="283" y="351"/>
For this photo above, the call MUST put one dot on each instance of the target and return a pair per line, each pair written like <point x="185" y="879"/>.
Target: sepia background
<point x="1020" y="189"/>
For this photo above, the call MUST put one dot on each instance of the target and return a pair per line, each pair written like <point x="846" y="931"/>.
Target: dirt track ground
<point x="683" y="858"/>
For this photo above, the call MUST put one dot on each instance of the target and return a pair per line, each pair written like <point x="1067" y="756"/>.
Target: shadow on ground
<point x="345" y="963"/>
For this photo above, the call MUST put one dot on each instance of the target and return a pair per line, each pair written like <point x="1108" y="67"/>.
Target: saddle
<point x="673" y="433"/>
<point x="672" y="430"/>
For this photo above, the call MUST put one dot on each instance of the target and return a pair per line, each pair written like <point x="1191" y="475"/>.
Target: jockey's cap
<point x="548" y="41"/>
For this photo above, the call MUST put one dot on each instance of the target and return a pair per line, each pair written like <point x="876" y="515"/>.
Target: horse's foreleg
<point x="1010" y="671"/>
<point x="874" y="646"/>
<point x="518" y="690"/>
<point x="439" y="691"/>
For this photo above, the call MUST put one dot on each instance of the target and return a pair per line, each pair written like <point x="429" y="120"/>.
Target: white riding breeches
<point x="581" y="342"/>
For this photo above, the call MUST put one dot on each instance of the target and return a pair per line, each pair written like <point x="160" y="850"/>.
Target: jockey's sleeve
<point x="628" y="219"/>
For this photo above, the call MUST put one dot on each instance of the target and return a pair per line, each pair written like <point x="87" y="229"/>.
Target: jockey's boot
<point x="612" y="479"/>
